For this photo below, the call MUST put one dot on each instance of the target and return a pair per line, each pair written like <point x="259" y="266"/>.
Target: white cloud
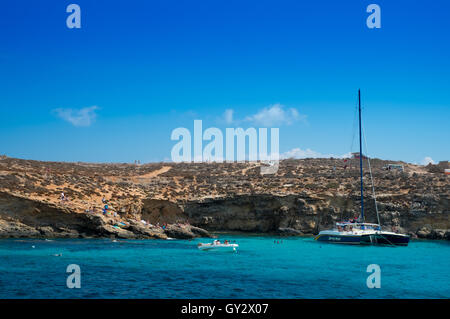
<point x="275" y="115"/>
<point x="298" y="153"/>
<point x="427" y="160"/>
<point x="78" y="117"/>
<point x="228" y="116"/>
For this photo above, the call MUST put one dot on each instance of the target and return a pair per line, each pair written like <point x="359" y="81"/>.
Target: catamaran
<point x="357" y="231"/>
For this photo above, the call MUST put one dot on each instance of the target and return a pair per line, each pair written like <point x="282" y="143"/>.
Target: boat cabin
<point x="349" y="226"/>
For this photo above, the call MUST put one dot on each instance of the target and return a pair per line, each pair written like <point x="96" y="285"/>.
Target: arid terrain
<point x="187" y="200"/>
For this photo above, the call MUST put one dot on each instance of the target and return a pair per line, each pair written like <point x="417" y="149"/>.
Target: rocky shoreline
<point x="36" y="219"/>
<point x="190" y="200"/>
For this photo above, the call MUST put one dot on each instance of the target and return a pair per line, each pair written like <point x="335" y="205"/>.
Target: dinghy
<point x="217" y="245"/>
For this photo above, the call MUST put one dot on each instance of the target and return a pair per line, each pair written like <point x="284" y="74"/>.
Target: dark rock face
<point x="161" y="211"/>
<point x="253" y="213"/>
<point x="304" y="215"/>
<point x="27" y="218"/>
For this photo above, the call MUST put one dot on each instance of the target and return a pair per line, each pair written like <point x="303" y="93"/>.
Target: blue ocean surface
<point x="263" y="267"/>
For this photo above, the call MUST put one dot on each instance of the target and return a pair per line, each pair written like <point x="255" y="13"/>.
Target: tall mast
<point x="360" y="156"/>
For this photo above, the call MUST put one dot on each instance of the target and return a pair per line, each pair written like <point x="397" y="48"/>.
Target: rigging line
<point x="355" y="115"/>
<point x="371" y="177"/>
<point x="387" y="240"/>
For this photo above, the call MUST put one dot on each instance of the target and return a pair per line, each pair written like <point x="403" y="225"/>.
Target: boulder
<point x="200" y="232"/>
<point x="438" y="234"/>
<point x="424" y="232"/>
<point x="174" y="231"/>
<point x="146" y="231"/>
<point x="185" y="231"/>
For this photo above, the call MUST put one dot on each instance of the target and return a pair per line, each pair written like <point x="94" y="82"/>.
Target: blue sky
<point x="136" y="70"/>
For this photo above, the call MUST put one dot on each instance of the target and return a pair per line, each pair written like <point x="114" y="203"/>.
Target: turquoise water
<point x="293" y="268"/>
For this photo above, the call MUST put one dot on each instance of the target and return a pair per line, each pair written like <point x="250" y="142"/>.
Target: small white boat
<point x="217" y="245"/>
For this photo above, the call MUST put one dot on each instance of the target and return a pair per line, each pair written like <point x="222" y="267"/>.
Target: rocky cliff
<point x="302" y="197"/>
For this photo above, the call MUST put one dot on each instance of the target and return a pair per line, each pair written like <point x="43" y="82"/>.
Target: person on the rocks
<point x="62" y="197"/>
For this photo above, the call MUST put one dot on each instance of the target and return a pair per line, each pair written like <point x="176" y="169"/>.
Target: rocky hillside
<point x="302" y="197"/>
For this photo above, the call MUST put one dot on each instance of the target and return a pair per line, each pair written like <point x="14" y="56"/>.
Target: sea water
<point x="263" y="267"/>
